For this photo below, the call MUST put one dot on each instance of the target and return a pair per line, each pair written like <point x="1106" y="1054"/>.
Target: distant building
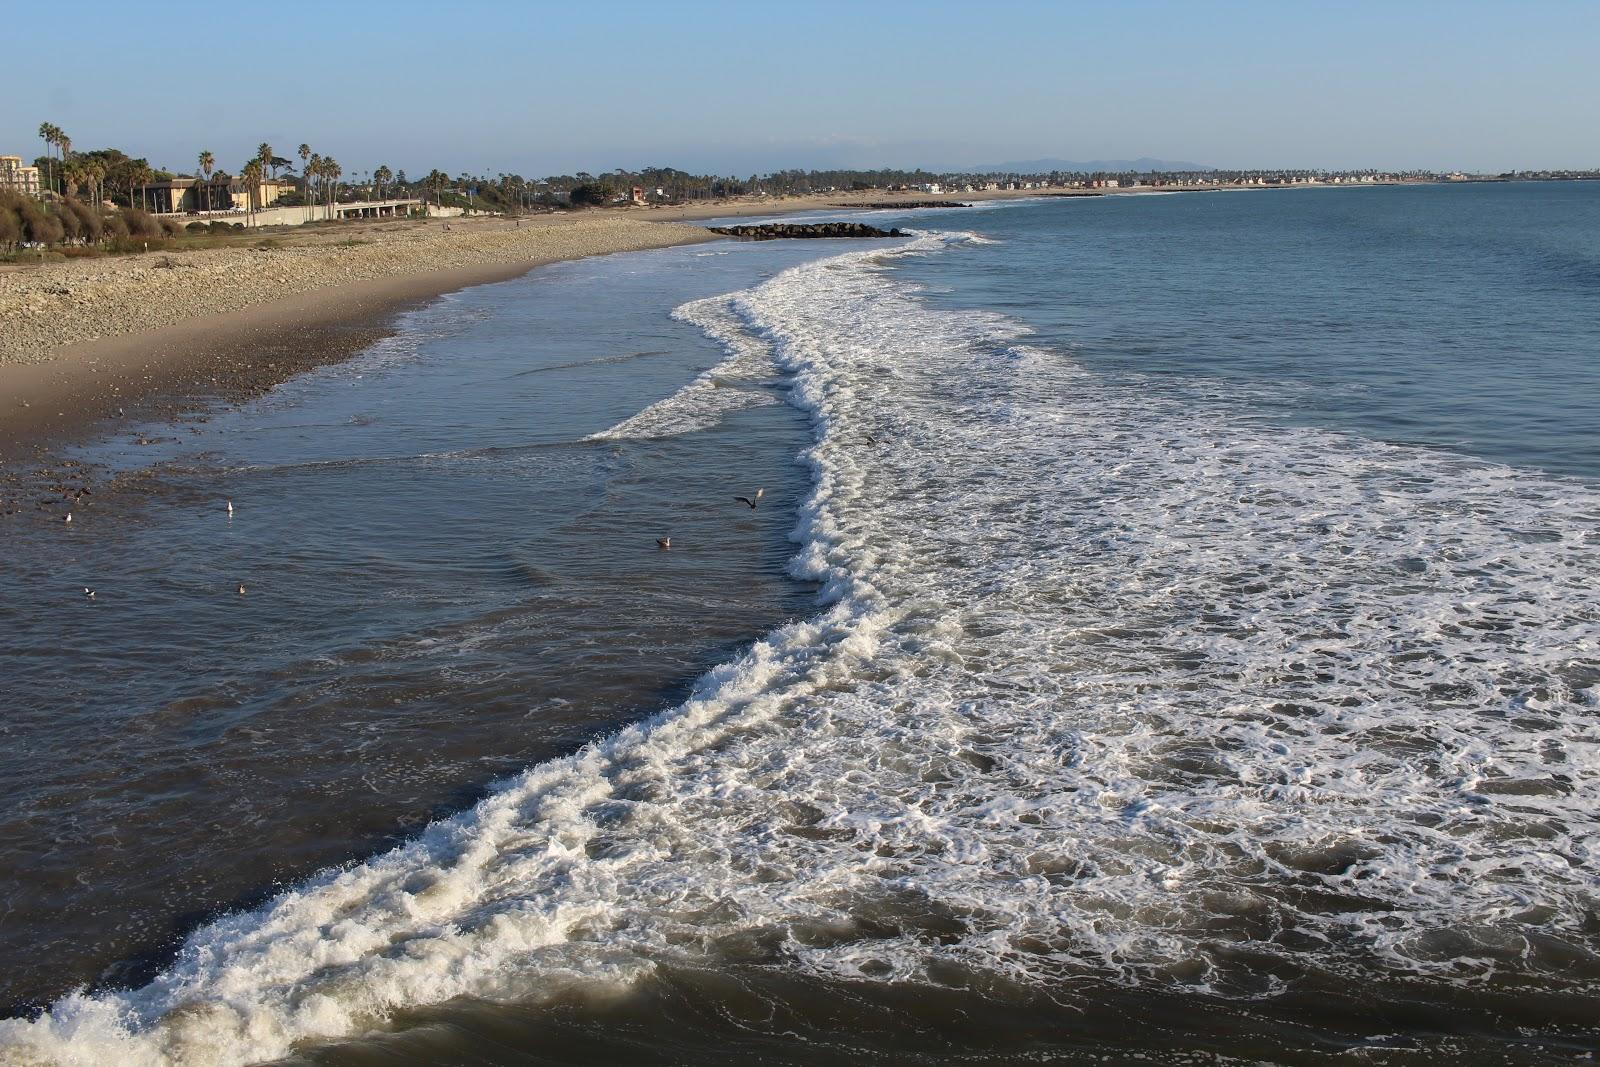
<point x="221" y="193"/>
<point x="17" y="178"/>
<point x="636" y="195"/>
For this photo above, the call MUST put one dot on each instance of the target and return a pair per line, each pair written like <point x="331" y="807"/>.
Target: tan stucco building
<point x="222" y="193"/>
<point x="18" y="178"/>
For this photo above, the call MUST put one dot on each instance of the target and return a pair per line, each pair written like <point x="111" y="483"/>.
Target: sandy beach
<point x="87" y="341"/>
<point x="87" y="344"/>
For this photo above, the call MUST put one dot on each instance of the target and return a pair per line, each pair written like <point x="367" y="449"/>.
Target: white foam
<point x="1105" y="684"/>
<point x="735" y="384"/>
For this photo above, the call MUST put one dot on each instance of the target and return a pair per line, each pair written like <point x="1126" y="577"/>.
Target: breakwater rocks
<point x="905" y="205"/>
<point x="774" y="231"/>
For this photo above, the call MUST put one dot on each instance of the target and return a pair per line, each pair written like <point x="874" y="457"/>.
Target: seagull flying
<point x="750" y="500"/>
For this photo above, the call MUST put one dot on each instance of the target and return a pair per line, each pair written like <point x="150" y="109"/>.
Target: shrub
<point x="197" y="227"/>
<point x="71" y="222"/>
<point x="10" y="227"/>
<point x="218" y="226"/>
<point x="39" y="225"/>
<point x="171" y="227"/>
<point x="86" y="224"/>
<point x="140" y="223"/>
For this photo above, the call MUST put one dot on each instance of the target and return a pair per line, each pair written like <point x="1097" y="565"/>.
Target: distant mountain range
<point x="1083" y="166"/>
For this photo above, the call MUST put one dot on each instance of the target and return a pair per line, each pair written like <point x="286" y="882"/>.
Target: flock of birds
<point x="665" y="543"/>
<point x="88" y="593"/>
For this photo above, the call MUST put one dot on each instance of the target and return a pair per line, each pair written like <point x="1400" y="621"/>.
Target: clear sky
<point x="536" y="89"/>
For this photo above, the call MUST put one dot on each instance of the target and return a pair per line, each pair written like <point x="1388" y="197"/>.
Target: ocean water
<point x="1198" y="664"/>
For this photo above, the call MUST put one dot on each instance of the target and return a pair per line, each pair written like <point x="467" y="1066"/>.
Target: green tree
<point x="47" y="135"/>
<point x="207" y="161"/>
<point x="590" y="194"/>
<point x="305" y="176"/>
<point x="252" y="186"/>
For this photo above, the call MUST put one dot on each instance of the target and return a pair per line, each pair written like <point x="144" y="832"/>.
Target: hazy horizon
<point x="544" y="90"/>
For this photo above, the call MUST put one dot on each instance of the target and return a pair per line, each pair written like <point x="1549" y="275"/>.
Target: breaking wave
<point x="1103" y="684"/>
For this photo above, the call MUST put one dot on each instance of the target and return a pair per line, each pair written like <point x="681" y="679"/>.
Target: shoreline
<point x="64" y="394"/>
<point x="88" y="346"/>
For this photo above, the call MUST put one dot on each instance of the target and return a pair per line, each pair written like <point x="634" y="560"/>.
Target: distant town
<point x="105" y="196"/>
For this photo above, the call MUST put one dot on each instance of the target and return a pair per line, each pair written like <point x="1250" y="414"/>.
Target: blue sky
<point x="735" y="88"/>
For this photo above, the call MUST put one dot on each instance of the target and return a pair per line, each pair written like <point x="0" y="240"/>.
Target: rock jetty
<point x="774" y="231"/>
<point x="906" y="205"/>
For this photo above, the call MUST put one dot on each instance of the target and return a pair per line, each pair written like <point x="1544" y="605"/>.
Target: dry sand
<point x="46" y="307"/>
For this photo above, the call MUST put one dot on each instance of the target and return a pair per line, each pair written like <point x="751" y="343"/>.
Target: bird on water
<point x="88" y="592"/>
<point x="230" y="509"/>
<point x="750" y="500"/>
<point x="68" y="518"/>
<point x="663" y="543"/>
<point x="241" y="589"/>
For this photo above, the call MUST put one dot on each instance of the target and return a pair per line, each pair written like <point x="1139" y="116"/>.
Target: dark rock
<point x="773" y="231"/>
<point x="905" y="205"/>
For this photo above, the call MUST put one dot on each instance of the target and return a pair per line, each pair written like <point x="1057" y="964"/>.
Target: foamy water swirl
<point x="1105" y="684"/>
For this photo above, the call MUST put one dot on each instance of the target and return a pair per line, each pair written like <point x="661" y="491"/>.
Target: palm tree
<point x="57" y="139"/>
<point x="382" y="176"/>
<point x="252" y="184"/>
<point x="141" y="176"/>
<point x="314" y="183"/>
<point x="72" y="175"/>
<point x="305" y="177"/>
<point x="207" y="161"/>
<point x="47" y="136"/>
<point x="264" y="157"/>
<point x="334" y="173"/>
<point x="63" y="145"/>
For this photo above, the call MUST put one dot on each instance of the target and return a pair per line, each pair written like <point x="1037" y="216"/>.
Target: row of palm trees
<point x="319" y="173"/>
<point x="68" y="173"/>
<point x="55" y="137"/>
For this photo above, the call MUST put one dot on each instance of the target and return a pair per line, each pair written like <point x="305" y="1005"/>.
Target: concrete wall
<point x="298" y="216"/>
